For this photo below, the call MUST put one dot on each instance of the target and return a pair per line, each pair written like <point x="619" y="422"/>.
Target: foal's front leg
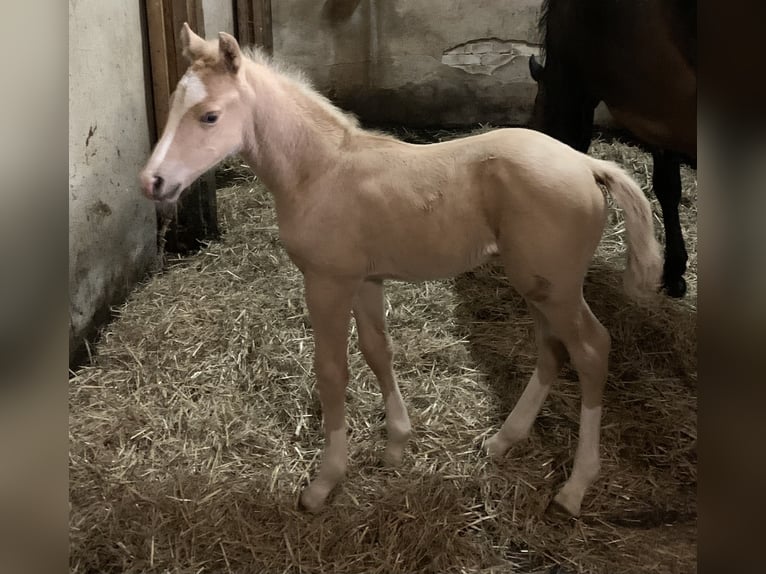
<point x="376" y="348"/>
<point x="329" y="304"/>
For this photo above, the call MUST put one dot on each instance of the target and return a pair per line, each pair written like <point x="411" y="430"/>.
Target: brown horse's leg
<point x="329" y="305"/>
<point x="666" y="181"/>
<point x="551" y="354"/>
<point x="376" y="348"/>
<point x="588" y="343"/>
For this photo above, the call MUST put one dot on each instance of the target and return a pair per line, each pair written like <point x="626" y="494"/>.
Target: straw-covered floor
<point x="196" y="424"/>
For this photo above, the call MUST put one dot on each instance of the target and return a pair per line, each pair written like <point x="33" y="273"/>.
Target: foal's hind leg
<point x="551" y="354"/>
<point x="376" y="348"/>
<point x="588" y="343"/>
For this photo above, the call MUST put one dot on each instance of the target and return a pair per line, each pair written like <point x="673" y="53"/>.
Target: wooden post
<point x="195" y="218"/>
<point x="253" y="23"/>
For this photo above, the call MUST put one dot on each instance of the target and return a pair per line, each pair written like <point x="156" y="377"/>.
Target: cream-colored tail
<point x="643" y="272"/>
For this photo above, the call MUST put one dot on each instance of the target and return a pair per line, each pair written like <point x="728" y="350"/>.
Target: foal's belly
<point x="418" y="263"/>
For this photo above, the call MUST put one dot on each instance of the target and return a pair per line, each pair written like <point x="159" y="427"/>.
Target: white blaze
<point x="190" y="92"/>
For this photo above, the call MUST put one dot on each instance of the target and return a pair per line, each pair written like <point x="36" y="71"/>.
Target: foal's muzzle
<point x="156" y="188"/>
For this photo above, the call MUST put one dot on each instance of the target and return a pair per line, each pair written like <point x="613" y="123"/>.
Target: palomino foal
<point x="355" y="208"/>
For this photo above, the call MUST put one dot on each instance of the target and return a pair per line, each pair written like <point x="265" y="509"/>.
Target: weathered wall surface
<point x="422" y="62"/>
<point x="112" y="228"/>
<point x="219" y="17"/>
<point x="417" y="62"/>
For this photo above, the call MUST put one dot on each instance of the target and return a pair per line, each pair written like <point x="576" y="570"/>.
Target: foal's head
<point x="207" y="119"/>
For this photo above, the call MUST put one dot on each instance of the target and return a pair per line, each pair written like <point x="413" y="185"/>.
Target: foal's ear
<point x="194" y="47"/>
<point x="231" y="55"/>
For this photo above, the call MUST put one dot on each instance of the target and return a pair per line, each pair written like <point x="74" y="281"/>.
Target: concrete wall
<point x="417" y="62"/>
<point x="219" y="17"/>
<point x="112" y="235"/>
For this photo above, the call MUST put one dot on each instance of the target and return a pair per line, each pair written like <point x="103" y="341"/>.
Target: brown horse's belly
<point x="667" y="132"/>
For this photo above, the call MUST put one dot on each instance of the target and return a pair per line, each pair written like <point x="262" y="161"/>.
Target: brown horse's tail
<point x="643" y="272"/>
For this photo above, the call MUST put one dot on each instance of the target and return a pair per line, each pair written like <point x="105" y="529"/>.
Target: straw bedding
<point x="196" y="423"/>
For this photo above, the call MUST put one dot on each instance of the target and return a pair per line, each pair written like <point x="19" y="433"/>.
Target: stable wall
<point x="417" y="62"/>
<point x="112" y="227"/>
<point x="218" y="17"/>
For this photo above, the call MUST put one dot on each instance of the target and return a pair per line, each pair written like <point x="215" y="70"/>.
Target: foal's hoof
<point x="555" y="512"/>
<point x="564" y="505"/>
<point x="311" y="500"/>
<point x="675" y="287"/>
<point x="496" y="446"/>
<point x="392" y="457"/>
<point x="500" y="443"/>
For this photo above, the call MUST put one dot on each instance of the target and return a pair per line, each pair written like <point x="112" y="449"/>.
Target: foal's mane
<point x="298" y="80"/>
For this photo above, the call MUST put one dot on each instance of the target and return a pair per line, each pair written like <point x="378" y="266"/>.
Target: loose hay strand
<point x="196" y="423"/>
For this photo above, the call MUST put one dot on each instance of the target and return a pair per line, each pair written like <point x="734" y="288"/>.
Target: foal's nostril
<point x="157" y="182"/>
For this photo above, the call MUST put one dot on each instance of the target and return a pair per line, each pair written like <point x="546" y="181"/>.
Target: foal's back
<point x="512" y="162"/>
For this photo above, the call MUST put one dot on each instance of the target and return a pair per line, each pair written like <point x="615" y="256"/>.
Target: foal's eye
<point x="209" y="118"/>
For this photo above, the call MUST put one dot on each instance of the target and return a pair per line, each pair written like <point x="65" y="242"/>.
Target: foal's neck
<point x="295" y="136"/>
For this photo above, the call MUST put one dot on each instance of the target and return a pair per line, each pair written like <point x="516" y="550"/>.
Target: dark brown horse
<point x="640" y="59"/>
